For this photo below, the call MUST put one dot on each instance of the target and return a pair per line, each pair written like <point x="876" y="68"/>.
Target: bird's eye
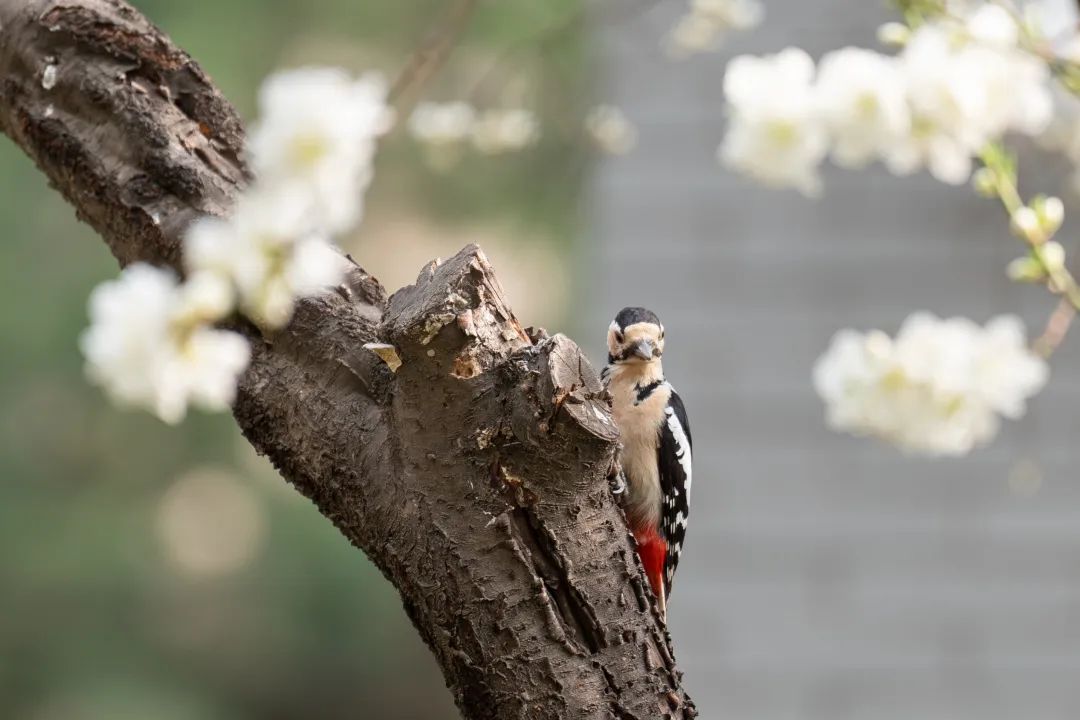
<point x="661" y="333"/>
<point x="618" y="336"/>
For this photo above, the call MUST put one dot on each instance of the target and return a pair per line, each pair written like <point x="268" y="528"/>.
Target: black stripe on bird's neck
<point x="644" y="391"/>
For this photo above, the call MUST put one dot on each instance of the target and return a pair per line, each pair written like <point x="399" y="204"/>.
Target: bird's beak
<point x="644" y="349"/>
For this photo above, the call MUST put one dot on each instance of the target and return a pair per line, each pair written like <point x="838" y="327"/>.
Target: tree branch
<point x="433" y="53"/>
<point x="474" y="477"/>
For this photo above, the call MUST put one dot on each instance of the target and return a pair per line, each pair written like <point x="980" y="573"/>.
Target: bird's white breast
<point x="639" y="425"/>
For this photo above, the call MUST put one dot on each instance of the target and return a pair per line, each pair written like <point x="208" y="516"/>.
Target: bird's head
<point x="635" y="336"/>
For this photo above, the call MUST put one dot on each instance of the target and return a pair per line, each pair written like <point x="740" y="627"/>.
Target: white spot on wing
<point x="682" y="443"/>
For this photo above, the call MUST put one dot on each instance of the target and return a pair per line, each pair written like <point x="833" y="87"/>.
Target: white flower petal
<point x="442" y="123"/>
<point x="937" y="389"/>
<point x="994" y="25"/>
<point x="774" y="134"/>
<point x="862" y="97"/>
<point x="149" y="343"/>
<point x="315" y="266"/>
<point x="502" y="131"/>
<point x="316" y="136"/>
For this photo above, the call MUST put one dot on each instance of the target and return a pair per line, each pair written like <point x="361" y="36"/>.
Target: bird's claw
<point x="617" y="483"/>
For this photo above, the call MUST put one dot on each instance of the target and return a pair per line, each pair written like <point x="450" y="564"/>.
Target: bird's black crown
<point x="632" y="315"/>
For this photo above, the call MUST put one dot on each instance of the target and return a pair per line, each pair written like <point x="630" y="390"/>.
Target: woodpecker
<point x="656" y="444"/>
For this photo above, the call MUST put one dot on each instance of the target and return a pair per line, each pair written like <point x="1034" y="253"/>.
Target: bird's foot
<point x="617" y="483"/>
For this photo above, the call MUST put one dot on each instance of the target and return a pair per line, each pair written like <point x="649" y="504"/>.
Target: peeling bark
<point x="474" y="476"/>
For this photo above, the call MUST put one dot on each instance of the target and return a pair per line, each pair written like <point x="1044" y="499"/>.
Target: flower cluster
<point x="938" y="388"/>
<point x="315" y="141"/>
<point x="704" y="27"/>
<point x="441" y="124"/>
<point x="960" y="82"/>
<point x="152" y="342"/>
<point x="445" y="129"/>
<point x="491" y="132"/>
<point x="270" y="252"/>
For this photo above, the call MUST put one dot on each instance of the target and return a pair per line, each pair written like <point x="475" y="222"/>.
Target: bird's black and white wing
<point x="674" y="461"/>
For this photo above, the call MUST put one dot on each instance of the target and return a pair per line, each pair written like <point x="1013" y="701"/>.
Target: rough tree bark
<point x="474" y="477"/>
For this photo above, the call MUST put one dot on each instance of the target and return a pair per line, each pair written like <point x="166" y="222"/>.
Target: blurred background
<point x="157" y="572"/>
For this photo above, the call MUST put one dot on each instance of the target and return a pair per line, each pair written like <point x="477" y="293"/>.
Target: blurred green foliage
<point x="95" y="621"/>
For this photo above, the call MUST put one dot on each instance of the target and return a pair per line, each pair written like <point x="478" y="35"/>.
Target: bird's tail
<point x="652" y="549"/>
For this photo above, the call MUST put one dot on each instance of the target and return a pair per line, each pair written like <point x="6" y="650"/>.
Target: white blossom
<point x="1015" y="82"/>
<point x="1015" y="89"/>
<point x="862" y="97"/>
<point x="708" y="22"/>
<point x="774" y="133"/>
<point x="963" y="80"/>
<point x="611" y="130"/>
<point x="442" y="123"/>
<point x="937" y="389"/>
<point x="151" y="342"/>
<point x="967" y="87"/>
<point x="500" y="131"/>
<point x="945" y="102"/>
<point x="316" y="139"/>
<point x="896" y="34"/>
<point x="268" y="252"/>
<point x="993" y="25"/>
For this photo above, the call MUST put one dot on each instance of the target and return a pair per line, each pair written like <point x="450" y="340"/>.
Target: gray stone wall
<point x="825" y="577"/>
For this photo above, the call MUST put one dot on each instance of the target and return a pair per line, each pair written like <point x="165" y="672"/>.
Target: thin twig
<point x="617" y="13"/>
<point x="1059" y="280"/>
<point x="1057" y="327"/>
<point x="433" y="53"/>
